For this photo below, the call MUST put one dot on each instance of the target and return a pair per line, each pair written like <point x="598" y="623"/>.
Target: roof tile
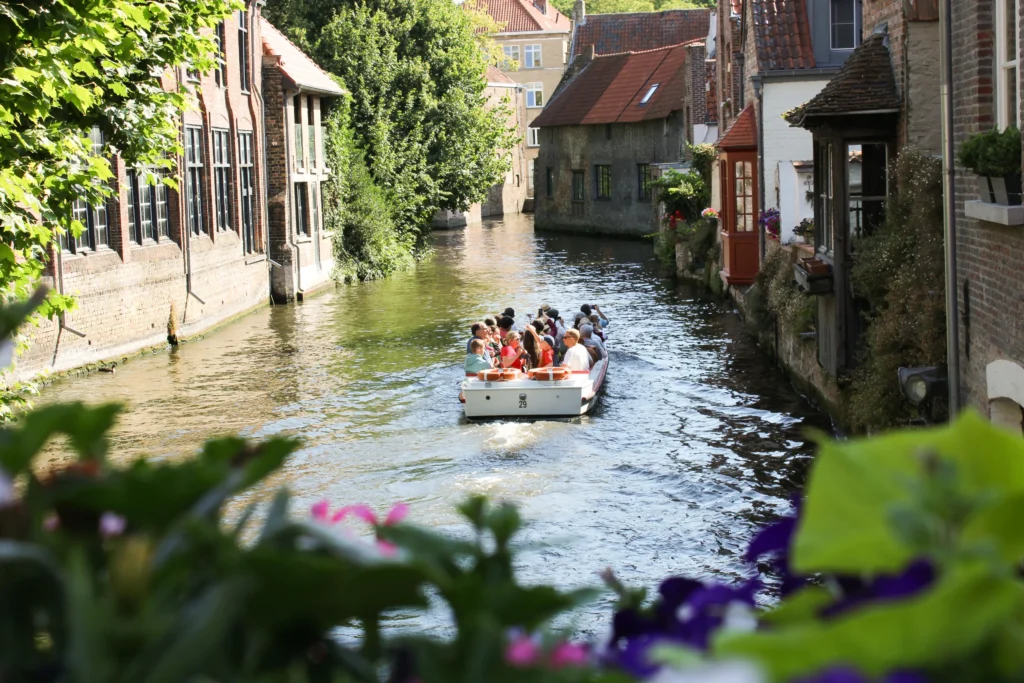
<point x="782" y="35"/>
<point x="522" y="15"/>
<point x="294" y="64"/>
<point x="742" y="134"/>
<point x="637" y="31"/>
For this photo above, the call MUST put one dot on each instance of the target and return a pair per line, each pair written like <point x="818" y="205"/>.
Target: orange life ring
<point x="489" y="375"/>
<point x="509" y="373"/>
<point x="549" y="374"/>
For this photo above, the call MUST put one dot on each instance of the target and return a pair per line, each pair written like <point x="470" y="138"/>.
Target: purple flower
<point x="111" y="525"/>
<point x="846" y="674"/>
<point x="775" y="540"/>
<point x="918" y="576"/>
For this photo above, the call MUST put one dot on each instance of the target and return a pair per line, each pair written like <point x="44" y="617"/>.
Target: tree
<point x="415" y="69"/>
<point x="610" y="6"/>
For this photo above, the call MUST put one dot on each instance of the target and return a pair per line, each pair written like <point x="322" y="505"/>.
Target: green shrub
<point x="992" y="153"/>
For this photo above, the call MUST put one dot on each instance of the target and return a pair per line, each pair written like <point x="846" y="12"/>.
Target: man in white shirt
<point x="576" y="357"/>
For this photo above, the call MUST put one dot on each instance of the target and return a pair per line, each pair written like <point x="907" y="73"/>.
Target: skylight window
<point x="649" y="95"/>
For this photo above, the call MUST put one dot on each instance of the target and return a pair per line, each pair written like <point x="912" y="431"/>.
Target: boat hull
<point x="528" y="398"/>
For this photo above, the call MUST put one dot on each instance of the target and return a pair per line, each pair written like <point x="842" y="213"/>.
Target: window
<point x="744" y="176"/>
<point x="534" y="95"/>
<point x="195" y="177"/>
<point x="220" y="73"/>
<point x="650" y="93"/>
<point x="310" y="131"/>
<point x="222" y="179"/>
<point x="532" y="54"/>
<point x="533" y="137"/>
<point x="315" y="205"/>
<point x="868" y="188"/>
<point x="511" y="56"/>
<point x="93" y="218"/>
<point x="1007" y="104"/>
<point x="148" y="218"/>
<point x="603" y="177"/>
<point x="300" y="148"/>
<point x="301" y="209"/>
<point x="643" y="182"/>
<point x="549" y="181"/>
<point x="243" y="49"/>
<point x="246" y="178"/>
<point x="844" y="24"/>
<point x="823" y="214"/>
<point x="533" y="169"/>
<point x="578" y="187"/>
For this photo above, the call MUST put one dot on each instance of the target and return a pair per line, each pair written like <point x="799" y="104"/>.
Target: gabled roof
<point x="639" y="31"/>
<point x="294" y="65"/>
<point x="610" y="90"/>
<point x="782" y="35"/>
<point x="495" y="76"/>
<point x="516" y="16"/>
<point x="865" y="84"/>
<point x="742" y="134"/>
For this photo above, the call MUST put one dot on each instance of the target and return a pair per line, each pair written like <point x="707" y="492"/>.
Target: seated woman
<point x="475" y="359"/>
<point x="513" y="355"/>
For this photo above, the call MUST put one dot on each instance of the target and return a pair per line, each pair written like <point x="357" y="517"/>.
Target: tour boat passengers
<point x="590" y="310"/>
<point x="506" y="325"/>
<point x="590" y="340"/>
<point x="479" y="331"/>
<point x="576" y="357"/>
<point x="494" y="341"/>
<point x="475" y="359"/>
<point x="595" y="320"/>
<point x="512" y="354"/>
<point x="547" y="351"/>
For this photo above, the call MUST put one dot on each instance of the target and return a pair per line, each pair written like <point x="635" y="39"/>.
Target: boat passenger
<point x="592" y="341"/>
<point x="512" y="354"/>
<point x="475" y="359"/>
<point x="532" y="344"/>
<point x="595" y="320"/>
<point x="539" y="326"/>
<point x="553" y="323"/>
<point x="490" y="322"/>
<point x="505" y="325"/>
<point x="578" y="319"/>
<point x="494" y="342"/>
<point x="591" y="309"/>
<point x="547" y="351"/>
<point x="576" y="357"/>
<point x="479" y="331"/>
<point x="511" y="314"/>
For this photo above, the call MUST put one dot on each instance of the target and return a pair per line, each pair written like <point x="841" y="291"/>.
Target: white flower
<point x="712" y="672"/>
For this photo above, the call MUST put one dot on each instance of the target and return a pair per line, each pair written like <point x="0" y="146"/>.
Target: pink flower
<point x="321" y="511"/>
<point x="568" y="654"/>
<point x="365" y="513"/>
<point x="522" y="651"/>
<point x="51" y="523"/>
<point x="111" y="525"/>
<point x="387" y="549"/>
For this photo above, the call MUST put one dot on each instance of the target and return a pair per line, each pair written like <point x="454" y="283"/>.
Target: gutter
<point x="759" y="96"/>
<point x="949" y="207"/>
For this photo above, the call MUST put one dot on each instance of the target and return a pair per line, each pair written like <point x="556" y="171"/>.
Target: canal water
<point x="696" y="440"/>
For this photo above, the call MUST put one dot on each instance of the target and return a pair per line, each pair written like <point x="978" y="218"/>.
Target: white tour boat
<point x="544" y="392"/>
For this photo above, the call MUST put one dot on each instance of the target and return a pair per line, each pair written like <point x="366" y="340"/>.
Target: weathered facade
<point x="990" y="239"/>
<point x="157" y="262"/>
<point x="601" y="137"/>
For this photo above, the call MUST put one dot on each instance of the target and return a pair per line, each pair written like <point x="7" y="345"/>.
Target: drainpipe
<point x="759" y="96"/>
<point x="291" y="195"/>
<point x="949" y="206"/>
<point x="264" y="212"/>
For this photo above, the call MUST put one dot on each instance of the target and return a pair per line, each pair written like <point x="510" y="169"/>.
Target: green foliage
<point x="899" y="273"/>
<point x="992" y="153"/>
<point x="609" y="6"/>
<point x="418" y="112"/>
<point x="774" y="297"/>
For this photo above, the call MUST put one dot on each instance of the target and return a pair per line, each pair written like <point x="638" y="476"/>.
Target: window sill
<point x="994" y="213"/>
<point x="602" y="199"/>
<point x="251" y="259"/>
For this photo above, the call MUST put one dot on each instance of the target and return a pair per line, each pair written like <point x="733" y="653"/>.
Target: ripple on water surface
<point x="696" y="439"/>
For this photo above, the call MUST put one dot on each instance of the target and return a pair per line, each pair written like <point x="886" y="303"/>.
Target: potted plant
<point x="804" y="232"/>
<point x="710" y="215"/>
<point x="770" y="221"/>
<point x="996" y="157"/>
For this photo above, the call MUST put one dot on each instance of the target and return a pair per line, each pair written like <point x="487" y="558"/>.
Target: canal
<point x="697" y="437"/>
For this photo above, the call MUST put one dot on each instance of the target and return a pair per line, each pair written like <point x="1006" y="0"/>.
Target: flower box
<point x="813" y="276"/>
<point x="1004" y="190"/>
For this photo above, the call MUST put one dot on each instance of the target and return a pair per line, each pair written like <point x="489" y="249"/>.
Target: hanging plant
<point x="770" y="221"/>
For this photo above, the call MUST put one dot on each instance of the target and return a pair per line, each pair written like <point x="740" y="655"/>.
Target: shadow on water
<point x="696" y="439"/>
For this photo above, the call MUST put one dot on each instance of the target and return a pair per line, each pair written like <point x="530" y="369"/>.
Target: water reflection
<point x="697" y="437"/>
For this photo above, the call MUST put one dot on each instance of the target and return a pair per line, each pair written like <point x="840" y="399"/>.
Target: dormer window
<point x="649" y="95"/>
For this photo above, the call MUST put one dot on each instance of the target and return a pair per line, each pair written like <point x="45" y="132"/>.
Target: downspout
<point x="264" y="212"/>
<point x="759" y="96"/>
<point x="291" y="196"/>
<point x="949" y="206"/>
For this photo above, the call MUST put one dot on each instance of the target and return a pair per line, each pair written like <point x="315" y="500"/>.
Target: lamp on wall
<point x="926" y="389"/>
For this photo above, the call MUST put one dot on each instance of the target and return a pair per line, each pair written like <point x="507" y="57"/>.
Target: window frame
<point x="300" y="190"/>
<point x="579" y="186"/>
<point x="649" y="94"/>
<point x="832" y="25"/>
<point x="509" y="59"/>
<point x="532" y="137"/>
<point x="532" y="89"/>
<point x="1007" y="70"/>
<point x="533" y="53"/>
<point x="247" y="191"/>
<point x="220" y="71"/>
<point x="602" y="182"/>
<point x="244" y="78"/>
<point x="195" y="179"/>
<point x="749" y="218"/>
<point x="143" y="195"/>
<point x="222" y="213"/>
<point x="96" y="224"/>
<point x="644" y="189"/>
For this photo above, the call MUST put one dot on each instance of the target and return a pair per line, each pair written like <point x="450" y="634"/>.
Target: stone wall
<point x="622" y="146"/>
<point x="130" y="293"/>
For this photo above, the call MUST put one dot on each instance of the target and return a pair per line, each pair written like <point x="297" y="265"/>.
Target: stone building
<point x="602" y="136"/>
<point x="296" y="92"/>
<point x="535" y="38"/>
<point x="990" y="238"/>
<point x="157" y="262"/>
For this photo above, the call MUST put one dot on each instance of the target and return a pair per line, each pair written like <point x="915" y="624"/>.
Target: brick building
<point x="295" y="91"/>
<point x="157" y="262"/>
<point x="990" y="242"/>
<point x="602" y="135"/>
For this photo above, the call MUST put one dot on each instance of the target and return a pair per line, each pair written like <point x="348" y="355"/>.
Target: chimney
<point x="579" y="13"/>
<point x="588" y="53"/>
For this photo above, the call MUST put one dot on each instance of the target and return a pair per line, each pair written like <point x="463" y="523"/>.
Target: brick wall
<point x="990" y="267"/>
<point x="509" y="195"/>
<point x="128" y="294"/>
<point x="697" y="80"/>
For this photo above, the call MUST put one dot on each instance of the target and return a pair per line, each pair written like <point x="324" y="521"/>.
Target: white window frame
<point x="532" y="170"/>
<point x="650" y="93"/>
<point x="511" y="54"/>
<point x="533" y="137"/>
<point x="856" y="29"/>
<point x="531" y="95"/>
<point x="1007" y="69"/>
<point x="532" y="58"/>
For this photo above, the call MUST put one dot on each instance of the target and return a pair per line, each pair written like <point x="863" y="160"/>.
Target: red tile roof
<point x="742" y="134"/>
<point x="637" y="31"/>
<point x="782" y="35"/>
<point x="610" y="88"/>
<point x="864" y="84"/>
<point x="293" y="63"/>
<point x="494" y="75"/>
<point x="522" y="15"/>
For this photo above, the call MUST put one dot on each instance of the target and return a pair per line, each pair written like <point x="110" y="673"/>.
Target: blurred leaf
<point x="85" y="427"/>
